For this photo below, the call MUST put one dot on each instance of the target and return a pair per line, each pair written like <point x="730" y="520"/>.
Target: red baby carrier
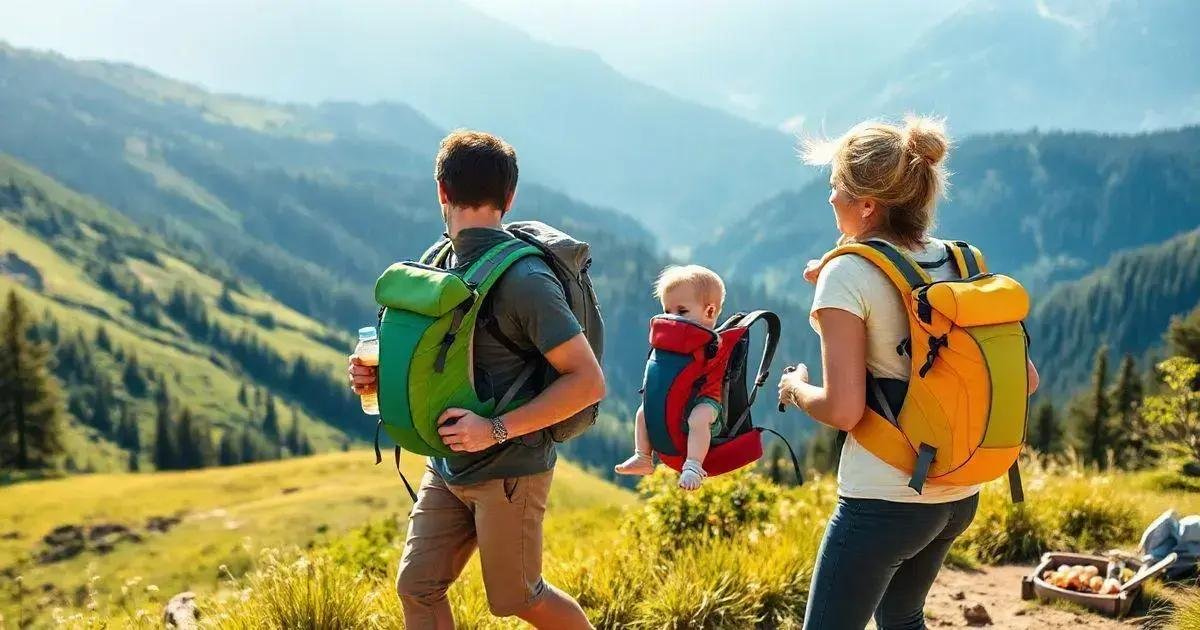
<point x="682" y="353"/>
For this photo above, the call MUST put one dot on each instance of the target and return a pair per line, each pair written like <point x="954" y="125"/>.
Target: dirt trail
<point x="999" y="590"/>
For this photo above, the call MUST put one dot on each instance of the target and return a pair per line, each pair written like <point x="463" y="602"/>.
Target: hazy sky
<point x="729" y="54"/>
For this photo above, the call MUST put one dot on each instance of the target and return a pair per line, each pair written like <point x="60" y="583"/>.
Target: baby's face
<point x="683" y="301"/>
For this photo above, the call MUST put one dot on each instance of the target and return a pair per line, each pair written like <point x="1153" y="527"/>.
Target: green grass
<point x="230" y="516"/>
<point x="739" y="553"/>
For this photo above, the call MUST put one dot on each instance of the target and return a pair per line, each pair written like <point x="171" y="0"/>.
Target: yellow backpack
<point x="960" y="418"/>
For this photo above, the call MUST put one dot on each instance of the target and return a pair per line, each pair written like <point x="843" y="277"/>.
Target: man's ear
<point x="443" y="194"/>
<point x="512" y="196"/>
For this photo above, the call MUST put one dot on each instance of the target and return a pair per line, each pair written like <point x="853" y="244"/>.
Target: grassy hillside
<point x="306" y="203"/>
<point x="737" y="554"/>
<point x="227" y="516"/>
<point x="82" y="268"/>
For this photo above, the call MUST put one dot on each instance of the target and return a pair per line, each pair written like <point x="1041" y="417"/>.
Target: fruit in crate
<point x="1084" y="579"/>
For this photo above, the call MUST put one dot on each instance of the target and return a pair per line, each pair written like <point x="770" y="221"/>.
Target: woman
<point x="885" y="542"/>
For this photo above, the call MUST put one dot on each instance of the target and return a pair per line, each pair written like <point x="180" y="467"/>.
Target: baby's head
<point x="691" y="291"/>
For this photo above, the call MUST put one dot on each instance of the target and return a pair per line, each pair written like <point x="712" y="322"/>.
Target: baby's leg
<point x="642" y="462"/>
<point x="699" y="421"/>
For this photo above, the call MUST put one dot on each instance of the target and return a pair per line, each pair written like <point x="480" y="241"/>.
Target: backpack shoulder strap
<point x="968" y="259"/>
<point x="483" y="273"/>
<point x="437" y="254"/>
<point x="774" y="331"/>
<point x="898" y="266"/>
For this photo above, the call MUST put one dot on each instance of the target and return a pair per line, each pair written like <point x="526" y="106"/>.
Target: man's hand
<point x="811" y="270"/>
<point x="363" y="378"/>
<point x="465" y="431"/>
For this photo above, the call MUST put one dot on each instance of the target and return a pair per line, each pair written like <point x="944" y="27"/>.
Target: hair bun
<point x="926" y="138"/>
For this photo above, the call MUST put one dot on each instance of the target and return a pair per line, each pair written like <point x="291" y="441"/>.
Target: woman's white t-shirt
<point x="853" y="284"/>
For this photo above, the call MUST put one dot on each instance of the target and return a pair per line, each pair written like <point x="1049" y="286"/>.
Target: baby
<point x="696" y="293"/>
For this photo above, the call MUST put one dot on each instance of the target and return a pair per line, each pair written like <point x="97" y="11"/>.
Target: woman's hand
<point x="811" y="270"/>
<point x="789" y="382"/>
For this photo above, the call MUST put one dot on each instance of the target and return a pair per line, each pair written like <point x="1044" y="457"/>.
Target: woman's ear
<point x="869" y="209"/>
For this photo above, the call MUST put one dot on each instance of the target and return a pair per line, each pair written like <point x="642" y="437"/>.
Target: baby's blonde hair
<point x="707" y="284"/>
<point x="901" y="167"/>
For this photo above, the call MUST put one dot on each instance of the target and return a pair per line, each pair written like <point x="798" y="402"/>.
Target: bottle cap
<point x="366" y="332"/>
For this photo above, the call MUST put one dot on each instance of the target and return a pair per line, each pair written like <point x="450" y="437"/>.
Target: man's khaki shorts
<point x="502" y="517"/>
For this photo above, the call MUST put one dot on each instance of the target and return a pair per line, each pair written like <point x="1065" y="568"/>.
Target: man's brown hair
<point x="476" y="169"/>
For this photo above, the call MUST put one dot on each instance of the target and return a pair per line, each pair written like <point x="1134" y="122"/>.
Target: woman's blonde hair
<point x="899" y="166"/>
<point x="704" y="281"/>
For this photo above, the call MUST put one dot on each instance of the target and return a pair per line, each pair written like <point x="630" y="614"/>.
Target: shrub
<point x="721" y="507"/>
<point x="1097" y="521"/>
<point x="373" y="548"/>
<point x="1080" y="514"/>
<point x="1006" y="533"/>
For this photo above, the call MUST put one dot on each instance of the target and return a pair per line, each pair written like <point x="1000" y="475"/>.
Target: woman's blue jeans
<point x="880" y="558"/>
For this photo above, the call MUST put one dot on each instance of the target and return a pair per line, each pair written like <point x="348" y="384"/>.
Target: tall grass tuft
<point x="1186" y="615"/>
<point x="302" y="591"/>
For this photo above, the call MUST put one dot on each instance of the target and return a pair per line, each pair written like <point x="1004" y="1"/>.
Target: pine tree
<point x="271" y="425"/>
<point x="1130" y="433"/>
<point x="774" y="469"/>
<point x="823" y="453"/>
<point x="1093" y="415"/>
<point x="1046" y="436"/>
<point x="249" y="448"/>
<point x="31" y="414"/>
<point x="103" y="341"/>
<point x="295" y="438"/>
<point x="128" y="435"/>
<point x="229" y="453"/>
<point x="165" y="453"/>
<point x="132" y="377"/>
<point x="226" y="302"/>
<point x="188" y="448"/>
<point x="1184" y="335"/>
<point x="102" y="406"/>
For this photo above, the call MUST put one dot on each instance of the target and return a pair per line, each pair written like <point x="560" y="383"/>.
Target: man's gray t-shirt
<point x="531" y="310"/>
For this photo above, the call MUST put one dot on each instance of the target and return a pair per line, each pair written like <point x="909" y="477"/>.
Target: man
<point x="492" y="493"/>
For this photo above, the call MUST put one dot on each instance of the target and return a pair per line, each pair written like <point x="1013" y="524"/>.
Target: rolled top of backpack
<point x="679" y="334"/>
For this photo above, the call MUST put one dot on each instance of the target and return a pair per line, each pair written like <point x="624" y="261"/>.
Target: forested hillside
<point x="156" y="348"/>
<point x="1045" y="207"/>
<point x="293" y="201"/>
<point x="1125" y="305"/>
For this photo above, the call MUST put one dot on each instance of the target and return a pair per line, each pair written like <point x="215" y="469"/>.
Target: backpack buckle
<point x="935" y="345"/>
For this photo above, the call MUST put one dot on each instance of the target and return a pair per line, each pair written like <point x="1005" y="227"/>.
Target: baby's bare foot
<point x="639" y="464"/>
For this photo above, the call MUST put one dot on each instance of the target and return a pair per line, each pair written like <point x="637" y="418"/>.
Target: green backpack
<point x="426" y="335"/>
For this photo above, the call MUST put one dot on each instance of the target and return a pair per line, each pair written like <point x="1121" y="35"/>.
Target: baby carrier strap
<point x="774" y="329"/>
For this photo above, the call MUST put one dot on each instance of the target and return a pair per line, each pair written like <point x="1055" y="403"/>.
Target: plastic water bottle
<point x="367" y="352"/>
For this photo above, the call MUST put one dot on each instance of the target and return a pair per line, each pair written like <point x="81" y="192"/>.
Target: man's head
<point x="691" y="291"/>
<point x="476" y="172"/>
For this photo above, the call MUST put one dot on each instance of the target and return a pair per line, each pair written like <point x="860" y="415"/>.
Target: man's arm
<point x="580" y="383"/>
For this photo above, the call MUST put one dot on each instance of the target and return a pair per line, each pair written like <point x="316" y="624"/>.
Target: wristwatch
<point x="499" y="431"/>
